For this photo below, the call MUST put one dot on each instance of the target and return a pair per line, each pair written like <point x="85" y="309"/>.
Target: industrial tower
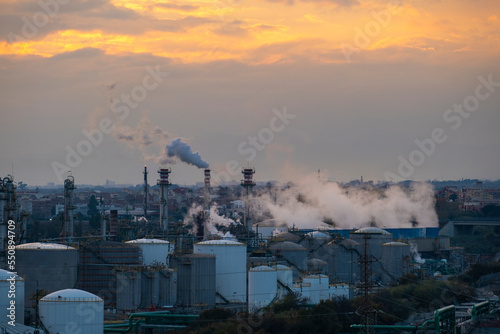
<point x="366" y="310"/>
<point x="164" y="183"/>
<point x="69" y="186"/>
<point x="145" y="191"/>
<point x="248" y="184"/>
<point x="8" y="207"/>
<point x="207" y="202"/>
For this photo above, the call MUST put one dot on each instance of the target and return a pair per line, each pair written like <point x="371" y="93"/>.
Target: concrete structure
<point x="72" y="311"/>
<point x="231" y="272"/>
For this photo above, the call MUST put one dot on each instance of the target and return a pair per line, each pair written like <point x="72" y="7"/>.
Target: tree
<point x="93" y="213"/>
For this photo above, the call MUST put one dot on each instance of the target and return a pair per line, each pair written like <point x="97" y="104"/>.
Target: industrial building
<point x="156" y="265"/>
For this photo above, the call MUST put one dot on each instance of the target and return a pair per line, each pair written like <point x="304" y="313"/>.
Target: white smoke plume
<point x="210" y="225"/>
<point x="415" y="254"/>
<point x="310" y="202"/>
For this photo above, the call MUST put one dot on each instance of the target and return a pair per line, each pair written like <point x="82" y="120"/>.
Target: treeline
<point x="294" y="315"/>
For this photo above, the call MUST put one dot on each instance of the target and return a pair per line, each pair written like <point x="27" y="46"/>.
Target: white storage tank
<point x="284" y="275"/>
<point x="72" y="311"/>
<point x="262" y="287"/>
<point x="46" y="266"/>
<point x="396" y="258"/>
<point x="230" y="268"/>
<point x="154" y="251"/>
<point x="7" y="280"/>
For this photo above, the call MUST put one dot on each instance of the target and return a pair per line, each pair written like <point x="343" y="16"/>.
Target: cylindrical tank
<point x="128" y="290"/>
<point x="317" y="266"/>
<point x="168" y="288"/>
<point x="196" y="280"/>
<point x="395" y="260"/>
<point x="150" y="288"/>
<point x="72" y="311"/>
<point x="262" y="287"/>
<point x="374" y="238"/>
<point x="230" y="267"/>
<point x="284" y="275"/>
<point x="342" y="266"/>
<point x="315" y="287"/>
<point x="11" y="290"/>
<point x="154" y="251"/>
<point x="46" y="266"/>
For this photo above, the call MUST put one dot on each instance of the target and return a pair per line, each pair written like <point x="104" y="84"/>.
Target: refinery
<point x="141" y="271"/>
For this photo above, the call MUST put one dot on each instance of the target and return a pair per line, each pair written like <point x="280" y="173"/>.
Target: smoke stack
<point x="248" y="184"/>
<point x="69" y="186"/>
<point x="164" y="183"/>
<point x="145" y="191"/>
<point x="207" y="201"/>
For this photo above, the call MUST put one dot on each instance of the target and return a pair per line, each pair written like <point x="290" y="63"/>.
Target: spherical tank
<point x="262" y="286"/>
<point x="46" y="266"/>
<point x="154" y="251"/>
<point x="11" y="290"/>
<point x="230" y="267"/>
<point x="72" y="311"/>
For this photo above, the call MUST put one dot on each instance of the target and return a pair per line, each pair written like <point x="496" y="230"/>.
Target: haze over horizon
<point x="352" y="87"/>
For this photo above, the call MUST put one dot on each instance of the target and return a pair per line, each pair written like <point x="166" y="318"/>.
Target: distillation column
<point x="164" y="183"/>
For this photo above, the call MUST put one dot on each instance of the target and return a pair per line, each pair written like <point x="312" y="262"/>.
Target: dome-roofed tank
<point x="72" y="311"/>
<point x="286" y="236"/>
<point x="396" y="258"/>
<point x="230" y="268"/>
<point x="154" y="251"/>
<point x="9" y="282"/>
<point x="286" y="246"/>
<point x="294" y="254"/>
<point x="317" y="266"/>
<point x="46" y="266"/>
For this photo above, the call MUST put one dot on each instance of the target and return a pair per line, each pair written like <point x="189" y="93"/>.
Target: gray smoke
<point x="184" y="153"/>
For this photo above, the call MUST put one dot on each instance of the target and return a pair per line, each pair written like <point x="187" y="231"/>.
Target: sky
<point x="387" y="90"/>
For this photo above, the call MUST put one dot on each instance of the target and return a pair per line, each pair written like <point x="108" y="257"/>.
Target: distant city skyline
<point x="387" y="90"/>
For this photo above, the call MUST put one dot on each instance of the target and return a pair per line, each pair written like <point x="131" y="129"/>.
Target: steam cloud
<point x="211" y="225"/>
<point x="308" y="204"/>
<point x="184" y="153"/>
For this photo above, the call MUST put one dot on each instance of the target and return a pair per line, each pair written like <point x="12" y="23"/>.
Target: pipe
<point x="165" y="317"/>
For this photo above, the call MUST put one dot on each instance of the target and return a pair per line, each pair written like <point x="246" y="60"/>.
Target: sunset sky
<point x="363" y="82"/>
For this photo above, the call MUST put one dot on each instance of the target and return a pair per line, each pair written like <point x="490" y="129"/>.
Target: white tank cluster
<point x="12" y="297"/>
<point x="317" y="288"/>
<point x="154" y="251"/>
<point x="72" y="311"/>
<point x="284" y="277"/>
<point x="262" y="287"/>
<point x="230" y="268"/>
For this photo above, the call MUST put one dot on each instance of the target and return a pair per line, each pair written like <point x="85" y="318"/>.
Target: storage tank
<point x="396" y="258"/>
<point x="375" y="237"/>
<point x="98" y="264"/>
<point x="342" y="266"/>
<point x="316" y="287"/>
<point x="284" y="277"/>
<point x="72" y="311"/>
<point x="11" y="289"/>
<point x="196" y="280"/>
<point x="154" y="251"/>
<point x="230" y="268"/>
<point x="128" y="290"/>
<point x="262" y="287"/>
<point x="53" y="266"/>
<point x="150" y="288"/>
<point x="168" y="288"/>
<point x="293" y="253"/>
<point x="317" y="266"/>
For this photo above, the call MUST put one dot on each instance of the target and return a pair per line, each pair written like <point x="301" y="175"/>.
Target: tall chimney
<point x="248" y="184"/>
<point x="69" y="186"/>
<point x="145" y="191"/>
<point x="164" y="183"/>
<point x="207" y="202"/>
